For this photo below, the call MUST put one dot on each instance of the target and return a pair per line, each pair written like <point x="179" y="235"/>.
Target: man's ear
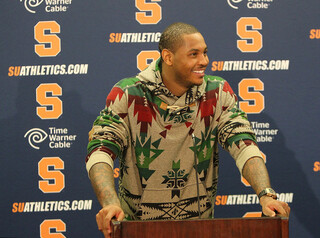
<point x="167" y="56"/>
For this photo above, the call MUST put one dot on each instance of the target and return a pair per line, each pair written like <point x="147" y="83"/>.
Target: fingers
<point x="120" y="216"/>
<point x="287" y="208"/>
<point x="283" y="209"/>
<point x="268" y="212"/>
<point x="103" y="224"/>
<point x="276" y="207"/>
<point x="104" y="217"/>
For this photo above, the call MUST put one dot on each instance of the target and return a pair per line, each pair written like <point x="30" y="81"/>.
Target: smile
<point x="198" y="72"/>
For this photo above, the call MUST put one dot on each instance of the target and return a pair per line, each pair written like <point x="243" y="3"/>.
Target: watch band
<point x="268" y="192"/>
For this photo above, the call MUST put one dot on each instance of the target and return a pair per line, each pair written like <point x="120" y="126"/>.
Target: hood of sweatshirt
<point x="151" y="77"/>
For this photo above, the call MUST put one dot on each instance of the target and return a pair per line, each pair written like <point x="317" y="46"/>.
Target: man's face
<point x="190" y="61"/>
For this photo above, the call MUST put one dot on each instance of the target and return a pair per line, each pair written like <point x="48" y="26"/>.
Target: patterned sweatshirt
<point x="156" y="136"/>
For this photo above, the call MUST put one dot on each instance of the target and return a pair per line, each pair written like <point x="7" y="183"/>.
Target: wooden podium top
<point x="267" y="227"/>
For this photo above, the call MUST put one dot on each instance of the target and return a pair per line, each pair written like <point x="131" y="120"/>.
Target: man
<point x="164" y="125"/>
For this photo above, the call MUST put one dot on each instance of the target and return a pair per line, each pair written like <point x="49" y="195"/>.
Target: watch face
<point x="272" y="195"/>
<point x="268" y="192"/>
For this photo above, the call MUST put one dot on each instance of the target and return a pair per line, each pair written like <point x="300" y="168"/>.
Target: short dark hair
<point x="171" y="37"/>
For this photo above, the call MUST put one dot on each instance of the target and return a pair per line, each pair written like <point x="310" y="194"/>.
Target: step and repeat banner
<point x="60" y="58"/>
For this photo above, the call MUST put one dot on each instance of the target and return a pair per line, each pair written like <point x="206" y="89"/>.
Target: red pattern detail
<point x="191" y="131"/>
<point x="168" y="127"/>
<point x="113" y="95"/>
<point x="227" y="88"/>
<point x="188" y="124"/>
<point x="104" y="149"/>
<point x="145" y="113"/>
<point x="163" y="133"/>
<point x="207" y="106"/>
<point x="249" y="142"/>
<point x="123" y="115"/>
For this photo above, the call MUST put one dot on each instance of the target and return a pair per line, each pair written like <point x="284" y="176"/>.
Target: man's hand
<point x="101" y="176"/>
<point x="272" y="207"/>
<point x="104" y="217"/>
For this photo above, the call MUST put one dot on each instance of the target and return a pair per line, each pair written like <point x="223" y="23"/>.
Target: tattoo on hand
<point x="102" y="180"/>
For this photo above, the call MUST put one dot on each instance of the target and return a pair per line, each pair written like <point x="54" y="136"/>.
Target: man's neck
<point x="173" y="87"/>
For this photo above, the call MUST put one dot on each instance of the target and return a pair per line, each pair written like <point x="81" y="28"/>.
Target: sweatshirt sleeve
<point x="108" y="137"/>
<point x="235" y="133"/>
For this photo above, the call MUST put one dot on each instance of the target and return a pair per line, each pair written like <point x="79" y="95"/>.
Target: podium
<point x="262" y="227"/>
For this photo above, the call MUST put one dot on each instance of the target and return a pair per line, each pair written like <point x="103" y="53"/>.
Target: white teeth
<point x="199" y="72"/>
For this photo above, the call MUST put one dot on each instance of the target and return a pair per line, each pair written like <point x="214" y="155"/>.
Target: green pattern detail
<point x="106" y="118"/>
<point x="237" y="112"/>
<point x="157" y="101"/>
<point x="136" y="91"/>
<point x="156" y="143"/>
<point x="213" y="82"/>
<point x="143" y="136"/>
<point x="204" y="150"/>
<point x="214" y="132"/>
<point x="176" y="166"/>
<point x="158" y="68"/>
<point x="107" y="121"/>
<point x="163" y="113"/>
<point x="144" y="158"/>
<point x="110" y="145"/>
<point x="127" y="82"/>
<point x="237" y="138"/>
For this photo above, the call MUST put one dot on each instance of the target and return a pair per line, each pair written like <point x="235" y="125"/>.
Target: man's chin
<point x="199" y="81"/>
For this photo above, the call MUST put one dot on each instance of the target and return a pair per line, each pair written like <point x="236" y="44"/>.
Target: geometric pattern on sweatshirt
<point x="146" y="153"/>
<point x="175" y="179"/>
<point x="145" y="107"/>
<point x="184" y="209"/>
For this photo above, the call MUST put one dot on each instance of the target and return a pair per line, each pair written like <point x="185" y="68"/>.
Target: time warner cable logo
<point x="35" y="135"/>
<point x="232" y="2"/>
<point x="58" y="137"/>
<point x="51" y="5"/>
<point x="29" y="4"/>
<point x="251" y="4"/>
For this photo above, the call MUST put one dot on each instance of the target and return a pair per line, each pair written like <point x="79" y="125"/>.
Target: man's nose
<point x="204" y="60"/>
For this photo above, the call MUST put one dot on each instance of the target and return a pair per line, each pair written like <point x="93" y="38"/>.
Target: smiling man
<point x="164" y="126"/>
<point x="184" y="63"/>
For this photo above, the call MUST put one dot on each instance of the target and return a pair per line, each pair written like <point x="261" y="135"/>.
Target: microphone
<point x="196" y="169"/>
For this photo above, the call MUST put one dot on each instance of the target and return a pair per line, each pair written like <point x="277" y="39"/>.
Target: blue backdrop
<point x="60" y="58"/>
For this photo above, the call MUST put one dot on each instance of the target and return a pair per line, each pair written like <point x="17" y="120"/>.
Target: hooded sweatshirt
<point x="167" y="146"/>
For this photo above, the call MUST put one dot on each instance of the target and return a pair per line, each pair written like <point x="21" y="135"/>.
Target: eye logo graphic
<point x="35" y="135"/>
<point x="31" y="4"/>
<point x="231" y="2"/>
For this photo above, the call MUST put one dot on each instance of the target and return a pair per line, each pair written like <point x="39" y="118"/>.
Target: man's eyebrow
<point x="205" y="49"/>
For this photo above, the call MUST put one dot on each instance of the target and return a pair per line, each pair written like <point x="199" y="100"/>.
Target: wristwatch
<point x="268" y="192"/>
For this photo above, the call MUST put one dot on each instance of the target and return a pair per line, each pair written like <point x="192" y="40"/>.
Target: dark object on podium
<point x="275" y="227"/>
